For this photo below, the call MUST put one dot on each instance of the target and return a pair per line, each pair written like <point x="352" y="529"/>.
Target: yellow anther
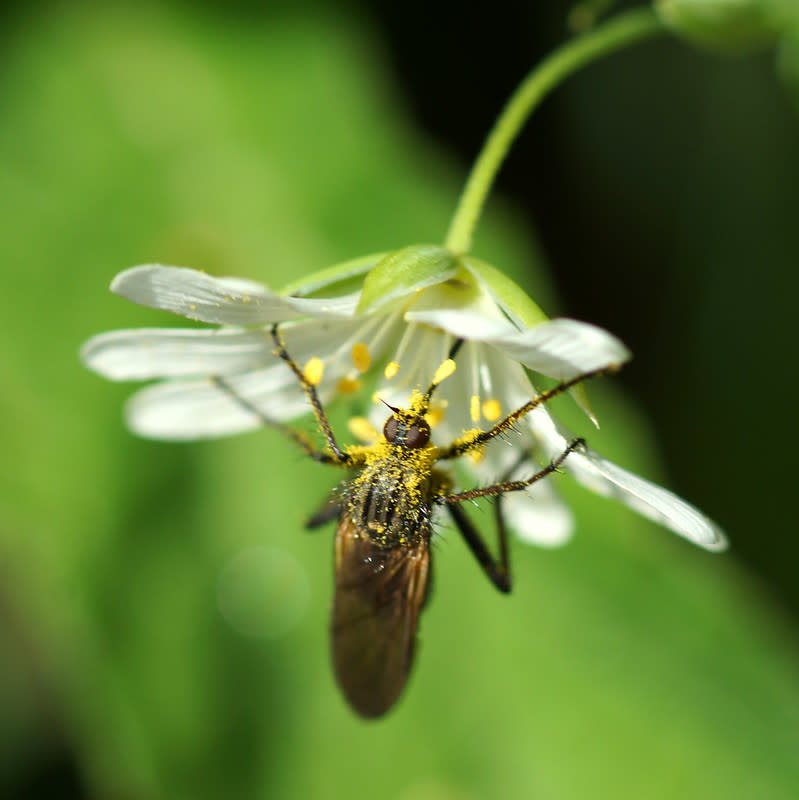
<point x="474" y="408"/>
<point x="313" y="371"/>
<point x="434" y="416"/>
<point x="492" y="410"/>
<point x="444" y="371"/>
<point x="392" y="368"/>
<point x="362" y="429"/>
<point x="347" y="385"/>
<point x="361" y="357"/>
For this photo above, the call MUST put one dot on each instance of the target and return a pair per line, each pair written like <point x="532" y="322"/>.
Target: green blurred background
<point x="162" y="612"/>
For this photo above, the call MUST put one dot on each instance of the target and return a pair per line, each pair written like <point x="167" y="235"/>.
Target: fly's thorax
<point x="389" y="499"/>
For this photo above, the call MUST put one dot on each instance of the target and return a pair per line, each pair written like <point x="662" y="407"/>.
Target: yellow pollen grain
<point x="392" y="368"/>
<point x="444" y="371"/>
<point x="362" y="429"/>
<point x="313" y="371"/>
<point x="347" y="385"/>
<point x="474" y="408"/>
<point x="476" y="456"/>
<point x="361" y="357"/>
<point x="492" y="410"/>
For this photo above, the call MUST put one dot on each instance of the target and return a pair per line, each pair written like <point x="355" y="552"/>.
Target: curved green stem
<point x="623" y="30"/>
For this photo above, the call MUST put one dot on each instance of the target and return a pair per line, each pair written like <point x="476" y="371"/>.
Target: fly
<point x="385" y="513"/>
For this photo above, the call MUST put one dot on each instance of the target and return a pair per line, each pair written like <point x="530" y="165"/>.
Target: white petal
<point x="559" y="348"/>
<point x="146" y="353"/>
<point x="606" y="478"/>
<point x="660" y="505"/>
<point x="465" y="324"/>
<point x="226" y="301"/>
<point x="563" y="348"/>
<point x="184" y="410"/>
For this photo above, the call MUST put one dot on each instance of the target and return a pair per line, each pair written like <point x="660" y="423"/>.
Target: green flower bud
<point x="729" y="25"/>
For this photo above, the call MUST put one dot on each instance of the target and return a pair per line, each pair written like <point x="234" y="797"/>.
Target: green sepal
<point x="338" y="279"/>
<point x="403" y="272"/>
<point x="511" y="297"/>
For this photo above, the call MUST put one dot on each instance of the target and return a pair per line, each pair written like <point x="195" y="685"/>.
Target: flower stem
<point x="625" y="29"/>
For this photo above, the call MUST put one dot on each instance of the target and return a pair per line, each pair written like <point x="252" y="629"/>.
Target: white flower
<point x="402" y="320"/>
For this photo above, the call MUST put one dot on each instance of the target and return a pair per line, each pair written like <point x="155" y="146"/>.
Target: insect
<point x="382" y="545"/>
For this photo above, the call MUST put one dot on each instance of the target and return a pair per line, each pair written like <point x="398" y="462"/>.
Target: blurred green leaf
<point x="626" y="665"/>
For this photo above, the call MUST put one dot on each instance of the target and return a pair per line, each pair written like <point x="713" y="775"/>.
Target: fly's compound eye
<point x="418" y="435"/>
<point x="410" y="436"/>
<point x="390" y="429"/>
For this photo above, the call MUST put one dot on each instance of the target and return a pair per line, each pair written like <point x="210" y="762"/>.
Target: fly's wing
<point x="378" y="597"/>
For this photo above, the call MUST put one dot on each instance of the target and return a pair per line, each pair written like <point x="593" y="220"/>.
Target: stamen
<point x="474" y="408"/>
<point x="361" y="357"/>
<point x="434" y="415"/>
<point x="392" y="368"/>
<point x="348" y="385"/>
<point x="313" y="371"/>
<point x="492" y="410"/>
<point x="362" y="429"/>
<point x="444" y="371"/>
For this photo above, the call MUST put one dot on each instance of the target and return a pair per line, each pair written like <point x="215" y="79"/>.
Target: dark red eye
<point x="418" y="435"/>
<point x="390" y="429"/>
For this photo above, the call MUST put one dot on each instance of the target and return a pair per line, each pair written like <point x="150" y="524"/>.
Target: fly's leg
<point x="298" y="437"/>
<point x="474" y="442"/>
<point x="498" y="571"/>
<point x="339" y="456"/>
<point x="497" y="489"/>
<point x="330" y="510"/>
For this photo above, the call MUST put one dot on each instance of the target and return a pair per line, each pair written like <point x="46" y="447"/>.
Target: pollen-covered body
<point x="389" y="499"/>
<point x="383" y="562"/>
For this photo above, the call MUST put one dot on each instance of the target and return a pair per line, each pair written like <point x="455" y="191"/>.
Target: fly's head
<point x="405" y="440"/>
<point x="407" y="429"/>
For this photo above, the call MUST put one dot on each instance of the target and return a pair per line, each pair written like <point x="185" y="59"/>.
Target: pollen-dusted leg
<point x="340" y="457"/>
<point x="298" y="437"/>
<point x="473" y="442"/>
<point x="500" y="488"/>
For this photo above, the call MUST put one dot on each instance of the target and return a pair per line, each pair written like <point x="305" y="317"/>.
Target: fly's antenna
<point x="445" y="370"/>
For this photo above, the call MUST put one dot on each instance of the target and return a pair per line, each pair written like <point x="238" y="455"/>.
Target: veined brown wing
<point x="378" y="597"/>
